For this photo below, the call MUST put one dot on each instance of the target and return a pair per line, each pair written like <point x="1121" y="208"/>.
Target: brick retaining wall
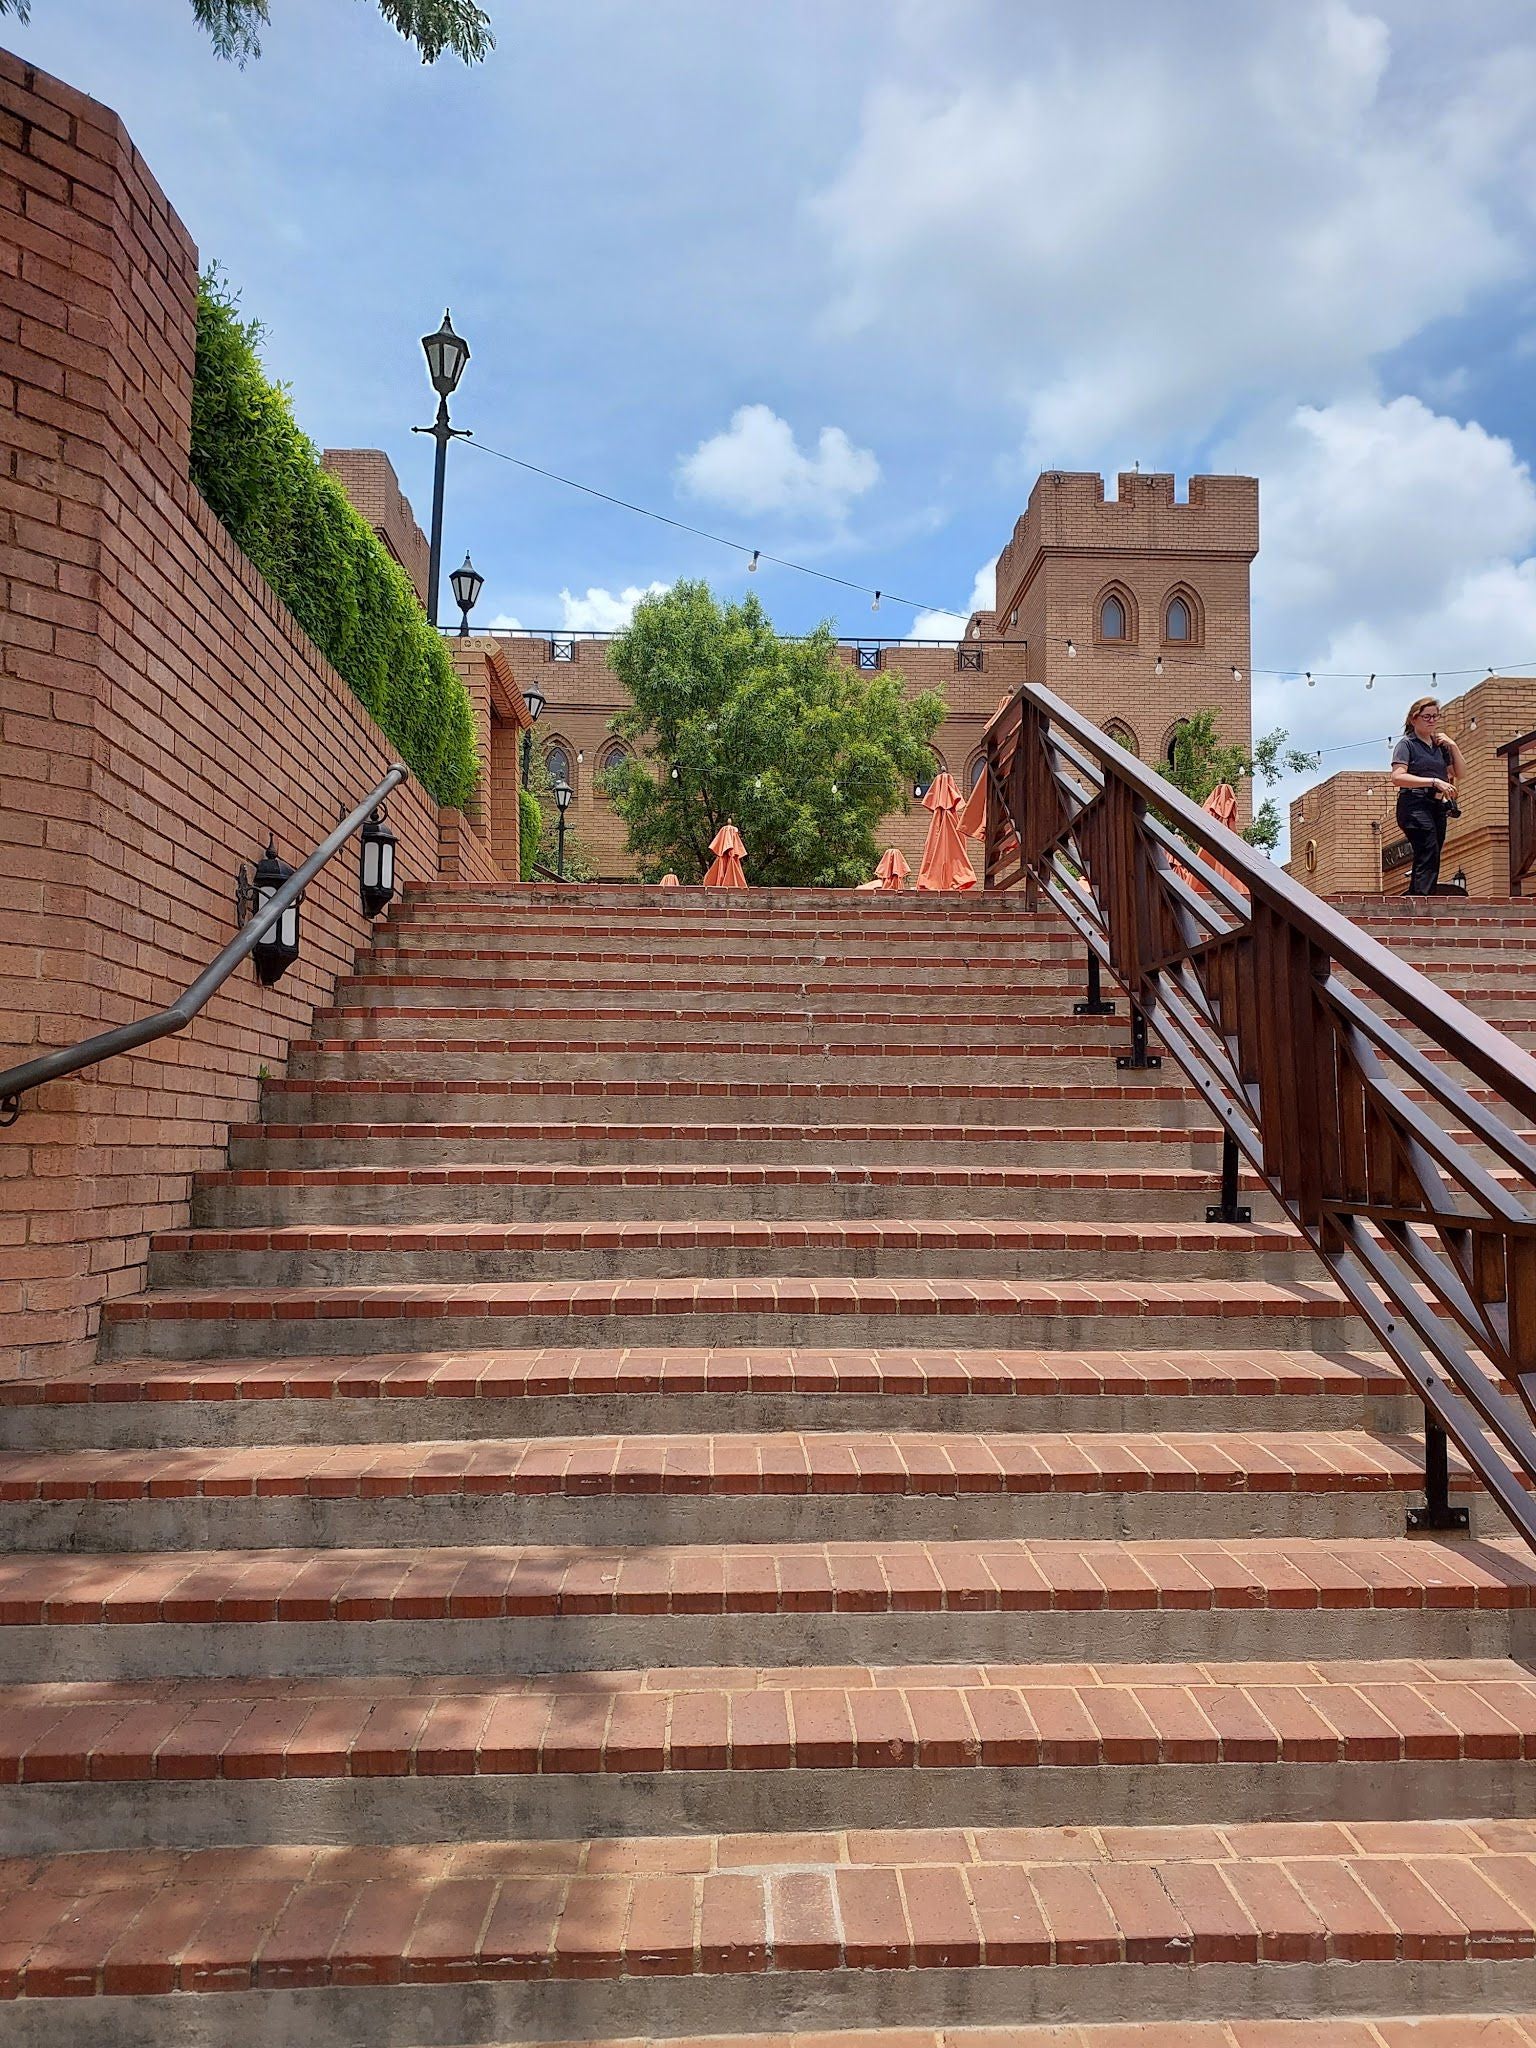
<point x="160" y="712"/>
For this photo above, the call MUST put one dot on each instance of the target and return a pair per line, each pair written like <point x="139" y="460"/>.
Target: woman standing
<point x="1426" y="766"/>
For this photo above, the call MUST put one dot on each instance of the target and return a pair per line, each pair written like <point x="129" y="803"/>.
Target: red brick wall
<point x="160" y="714"/>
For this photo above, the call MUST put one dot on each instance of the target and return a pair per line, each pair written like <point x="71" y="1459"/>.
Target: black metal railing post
<point x="1095" y="1005"/>
<point x="1227" y="1210"/>
<point x="1138" y="1059"/>
<point x="1437" y="1512"/>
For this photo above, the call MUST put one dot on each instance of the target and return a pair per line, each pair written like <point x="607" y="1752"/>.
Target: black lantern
<point x="535" y="699"/>
<point x="1459" y="880"/>
<point x="446" y="354"/>
<point x="563" y="795"/>
<point x="376" y="864"/>
<point x="278" y="947"/>
<point x="467" y="586"/>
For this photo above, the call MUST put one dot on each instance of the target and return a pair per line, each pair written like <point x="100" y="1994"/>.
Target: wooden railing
<point x="1520" y="755"/>
<point x="1378" y="1150"/>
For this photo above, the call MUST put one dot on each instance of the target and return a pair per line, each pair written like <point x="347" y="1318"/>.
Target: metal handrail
<point x="69" y="1059"/>
<point x="1244" y="973"/>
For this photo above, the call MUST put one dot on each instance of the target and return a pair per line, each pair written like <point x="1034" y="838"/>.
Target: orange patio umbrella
<point x="891" y="872"/>
<point x="973" y="819"/>
<point x="1221" y="805"/>
<point x="670" y="881"/>
<point x="725" y="870"/>
<point x="945" y="863"/>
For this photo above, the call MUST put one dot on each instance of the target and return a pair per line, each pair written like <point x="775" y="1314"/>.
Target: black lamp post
<point x="376" y="864"/>
<point x="534" y="698"/>
<point x="446" y="354"/>
<point x="278" y="947"/>
<point x="563" y="795"/>
<point x="467" y="586"/>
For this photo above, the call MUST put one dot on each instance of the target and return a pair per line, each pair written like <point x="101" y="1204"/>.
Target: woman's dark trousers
<point x="1424" y="826"/>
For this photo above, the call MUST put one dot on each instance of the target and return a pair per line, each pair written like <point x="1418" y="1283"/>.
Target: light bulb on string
<point x="1237" y="675"/>
<point x="752" y="565"/>
<point x="1310" y="684"/>
<point x="875" y="602"/>
<point x="1157" y="666"/>
<point x="1071" y="649"/>
<point x="1370" y="681"/>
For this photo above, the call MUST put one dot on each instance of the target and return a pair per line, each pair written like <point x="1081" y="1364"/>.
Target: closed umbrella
<point x="670" y="881"/>
<point x="1221" y="805"/>
<point x="891" y="871"/>
<point x="945" y="863"/>
<point x="973" y="819"/>
<point x="725" y="870"/>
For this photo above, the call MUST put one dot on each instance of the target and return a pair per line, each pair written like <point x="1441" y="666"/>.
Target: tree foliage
<point x="730" y="721"/>
<point x="579" y="864"/>
<point x="1201" y="761"/>
<point x="432" y="25"/>
<point x="263" y="479"/>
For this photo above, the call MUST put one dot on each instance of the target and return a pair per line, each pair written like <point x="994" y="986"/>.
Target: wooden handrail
<point x="1248" y="978"/>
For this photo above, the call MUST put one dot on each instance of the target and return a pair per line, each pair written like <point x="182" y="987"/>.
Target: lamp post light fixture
<point x="446" y="354"/>
<point x="278" y="947"/>
<point x="376" y="865"/>
<point x="467" y="586"/>
<point x="534" y="698"/>
<point x="563" y="795"/>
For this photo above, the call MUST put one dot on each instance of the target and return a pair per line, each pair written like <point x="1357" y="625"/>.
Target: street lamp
<point x="446" y="354"/>
<point x="534" y="698"/>
<point x="563" y="795"/>
<point x="467" y="586"/>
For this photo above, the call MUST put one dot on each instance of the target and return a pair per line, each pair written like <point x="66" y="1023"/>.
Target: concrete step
<point x="1105" y="1314"/>
<point x="550" y="1190"/>
<point x="195" y="1763"/>
<point x="781" y="1487"/>
<point x="339" y="1255"/>
<point x="715" y="1066"/>
<point x="514" y="1609"/>
<point x="517" y="1939"/>
<point x="1164" y="1098"/>
<point x="387" y="1398"/>
<point x="593" y="1140"/>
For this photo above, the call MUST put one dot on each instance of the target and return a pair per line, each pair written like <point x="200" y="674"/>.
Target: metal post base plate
<point x="1423" y="1521"/>
<point x="1219" y="1214"/>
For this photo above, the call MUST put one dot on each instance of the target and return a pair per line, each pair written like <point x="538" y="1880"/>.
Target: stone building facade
<point x="1344" y="833"/>
<point x="1135" y="608"/>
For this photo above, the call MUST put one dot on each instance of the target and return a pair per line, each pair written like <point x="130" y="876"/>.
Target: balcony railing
<point x="1520" y="757"/>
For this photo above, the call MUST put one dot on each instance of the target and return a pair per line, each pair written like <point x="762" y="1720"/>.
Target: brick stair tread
<point x="407" y="1583"/>
<point x="815" y="1041"/>
<point x="1012" y="1136"/>
<point x="691" y="1088"/>
<point x="517" y="1374"/>
<point x="1216" y="1299"/>
<point x="223" y="1920"/>
<point x="830" y="1462"/>
<point x="705" y="1173"/>
<point x="626" y="1234"/>
<point x="1442" y="2030"/>
<point x="940" y="1717"/>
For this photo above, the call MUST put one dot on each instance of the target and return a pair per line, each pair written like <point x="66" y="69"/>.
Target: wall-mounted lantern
<point x="376" y="865"/>
<point x="278" y="947"/>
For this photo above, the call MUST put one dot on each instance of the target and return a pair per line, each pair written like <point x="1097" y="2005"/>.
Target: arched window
<point x="924" y="782"/>
<point x="1183" y="621"/>
<point x="1115" y="618"/>
<point x="609" y="758"/>
<point x="975" y="768"/>
<point x="1171" y="739"/>
<point x="561" y="762"/>
<point x="1122" y="735"/>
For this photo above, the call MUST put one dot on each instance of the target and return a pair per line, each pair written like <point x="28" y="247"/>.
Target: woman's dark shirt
<point x="1420" y="758"/>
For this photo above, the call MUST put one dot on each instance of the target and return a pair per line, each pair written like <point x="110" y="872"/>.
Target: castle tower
<point x="1135" y="609"/>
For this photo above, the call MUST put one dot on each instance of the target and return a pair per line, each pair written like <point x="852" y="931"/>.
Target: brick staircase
<point x="702" y="1474"/>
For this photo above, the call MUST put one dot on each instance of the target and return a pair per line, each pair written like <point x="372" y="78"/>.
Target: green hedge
<point x="262" y="476"/>
<point x="530" y="823"/>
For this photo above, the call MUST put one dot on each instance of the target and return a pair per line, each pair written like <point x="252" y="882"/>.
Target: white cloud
<point x="757" y="466"/>
<point x="1147" y="230"/>
<point x="604" y="611"/>
<point x="944" y="625"/>
<point x="1396" y="541"/>
<point x="505" y="623"/>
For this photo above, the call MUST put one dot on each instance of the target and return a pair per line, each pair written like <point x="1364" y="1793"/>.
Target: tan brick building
<point x="1135" y="608"/>
<point x="1344" y="832"/>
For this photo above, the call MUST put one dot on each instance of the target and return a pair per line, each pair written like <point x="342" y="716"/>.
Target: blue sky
<point x="837" y="277"/>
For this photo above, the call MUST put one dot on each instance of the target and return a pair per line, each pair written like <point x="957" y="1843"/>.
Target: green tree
<point x="432" y="25"/>
<point x="579" y="863"/>
<point x="730" y="721"/>
<point x="1201" y="761"/>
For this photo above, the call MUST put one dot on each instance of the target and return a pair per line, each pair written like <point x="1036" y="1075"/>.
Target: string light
<point x="874" y="604"/>
<point x="1310" y="684"/>
<point x="757" y="555"/>
<point x="1157" y="666"/>
<point x="1237" y="675"/>
<point x="1370" y="682"/>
